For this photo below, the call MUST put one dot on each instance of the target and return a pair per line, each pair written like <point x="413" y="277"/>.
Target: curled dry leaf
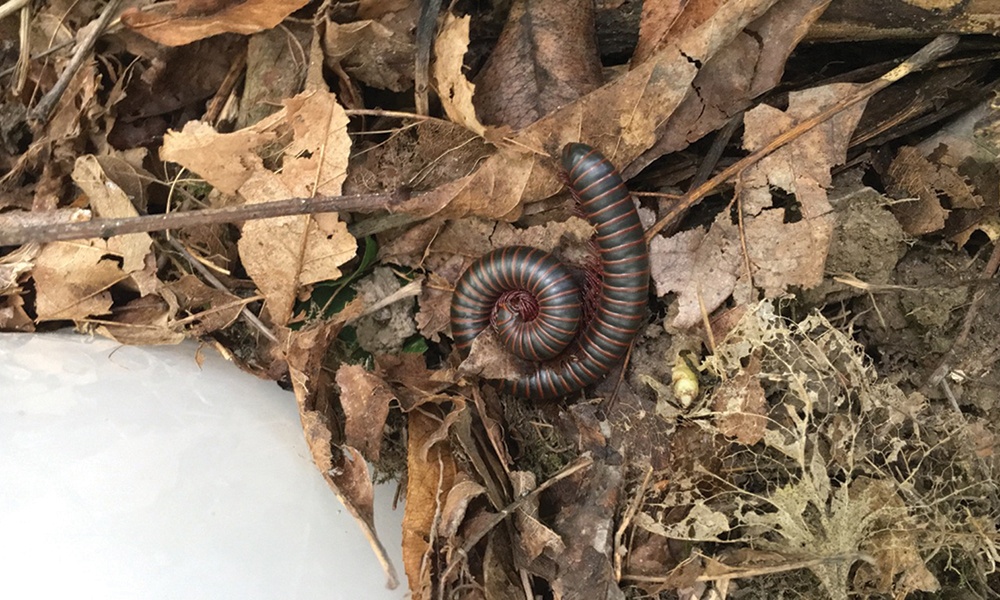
<point x="365" y="398"/>
<point x="14" y="265"/>
<point x="430" y="469"/>
<point x="176" y="24"/>
<point x="460" y="495"/>
<point x="453" y="88"/>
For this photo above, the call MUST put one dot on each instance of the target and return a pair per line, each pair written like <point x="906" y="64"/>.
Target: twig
<point x="756" y="571"/>
<point x="218" y="101"/>
<point x="109" y="227"/>
<point x="43" y="110"/>
<point x="938" y="47"/>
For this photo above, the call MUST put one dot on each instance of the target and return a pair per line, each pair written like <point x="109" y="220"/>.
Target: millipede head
<point x="573" y="153"/>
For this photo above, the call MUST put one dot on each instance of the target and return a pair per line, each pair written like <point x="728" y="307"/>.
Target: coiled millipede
<point x="534" y="304"/>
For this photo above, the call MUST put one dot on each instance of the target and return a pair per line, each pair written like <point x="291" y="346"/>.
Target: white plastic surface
<point x="132" y="473"/>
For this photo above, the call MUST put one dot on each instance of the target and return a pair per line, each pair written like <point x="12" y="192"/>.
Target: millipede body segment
<point x="533" y="302"/>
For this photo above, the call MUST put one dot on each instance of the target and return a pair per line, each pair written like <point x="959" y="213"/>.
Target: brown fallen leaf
<point x="365" y="399"/>
<point x="658" y="20"/>
<point x="108" y="199"/>
<point x="379" y="53"/>
<point x="920" y="183"/>
<point x="416" y="384"/>
<point x="786" y="252"/>
<point x="73" y="280"/>
<point x="176" y="24"/>
<point x="434" y="317"/>
<point x="783" y="251"/>
<point x="740" y="406"/>
<point x="701" y="267"/>
<point x="431" y="471"/>
<point x="343" y="467"/>
<point x="455" y="91"/>
<point x="546" y="57"/>
<point x="749" y="65"/>
<point x="460" y="495"/>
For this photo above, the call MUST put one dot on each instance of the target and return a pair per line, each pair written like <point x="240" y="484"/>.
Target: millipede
<point x="534" y="304"/>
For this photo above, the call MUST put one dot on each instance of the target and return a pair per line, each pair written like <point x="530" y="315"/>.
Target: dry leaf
<point x="144" y="321"/>
<point x="224" y="160"/>
<point x="109" y="200"/>
<point x="459" y="496"/>
<point x="453" y="88"/>
<point x="205" y="309"/>
<point x="747" y="67"/>
<point x="546" y="58"/>
<point x="365" y="399"/>
<point x="73" y="280"/>
<point x="430" y="470"/>
<point x="620" y="118"/>
<point x="785" y="251"/>
<point x="346" y="472"/>
<point x="176" y="24"/>
<point x="700" y="267"/>
<point x="741" y="407"/>
<point x="14" y="265"/>
<point x="378" y="53"/>
<point x="658" y="18"/>
<point x="282" y="254"/>
<point x="920" y="184"/>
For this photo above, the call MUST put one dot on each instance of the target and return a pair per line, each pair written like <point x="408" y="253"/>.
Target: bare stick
<point x="109" y="227"/>
<point x="937" y="48"/>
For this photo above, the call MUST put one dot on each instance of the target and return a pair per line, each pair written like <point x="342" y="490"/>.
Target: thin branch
<point x="42" y="231"/>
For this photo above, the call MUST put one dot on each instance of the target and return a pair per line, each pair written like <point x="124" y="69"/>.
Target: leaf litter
<point x="809" y="410"/>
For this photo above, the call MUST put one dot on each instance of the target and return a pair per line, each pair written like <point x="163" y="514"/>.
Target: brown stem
<point x="109" y="227"/>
